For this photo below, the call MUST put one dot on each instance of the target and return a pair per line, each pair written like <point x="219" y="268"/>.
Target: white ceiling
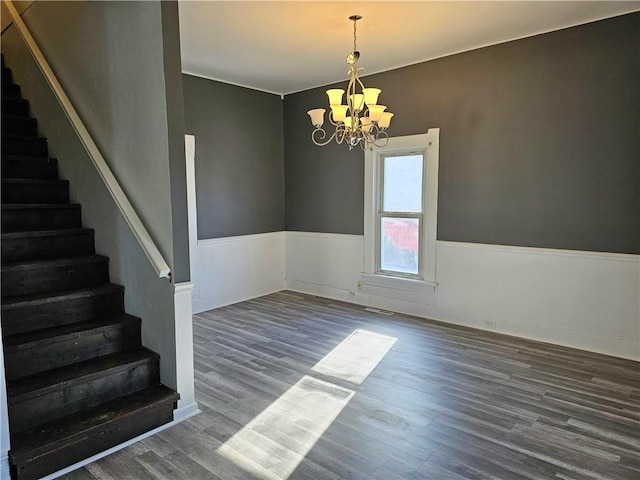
<point x="285" y="47"/>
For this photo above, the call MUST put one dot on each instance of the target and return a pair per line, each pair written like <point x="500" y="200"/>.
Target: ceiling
<point x="285" y="47"/>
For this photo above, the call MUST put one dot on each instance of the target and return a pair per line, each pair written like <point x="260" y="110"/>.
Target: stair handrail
<point x="139" y="231"/>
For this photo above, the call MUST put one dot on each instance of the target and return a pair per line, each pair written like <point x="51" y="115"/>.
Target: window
<point x="401" y="195"/>
<point x="400" y="215"/>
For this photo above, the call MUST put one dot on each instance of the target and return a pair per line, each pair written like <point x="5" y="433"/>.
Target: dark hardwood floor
<point x="290" y="387"/>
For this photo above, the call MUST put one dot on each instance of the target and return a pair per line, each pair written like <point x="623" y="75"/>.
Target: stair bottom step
<point x="56" y="445"/>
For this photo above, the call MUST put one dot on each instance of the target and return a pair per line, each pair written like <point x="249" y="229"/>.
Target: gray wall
<point x="239" y="158"/>
<point x="539" y="142"/>
<point x="175" y="131"/>
<point x="114" y="61"/>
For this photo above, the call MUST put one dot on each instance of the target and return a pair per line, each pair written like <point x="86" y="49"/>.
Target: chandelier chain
<point x="355" y="21"/>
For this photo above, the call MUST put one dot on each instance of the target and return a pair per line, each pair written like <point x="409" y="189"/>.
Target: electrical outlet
<point x="490" y="324"/>
<point x="352" y="294"/>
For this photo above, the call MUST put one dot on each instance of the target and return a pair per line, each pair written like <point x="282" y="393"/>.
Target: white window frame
<point x="371" y="277"/>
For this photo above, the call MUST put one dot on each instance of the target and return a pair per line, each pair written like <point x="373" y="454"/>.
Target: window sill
<point x="370" y="282"/>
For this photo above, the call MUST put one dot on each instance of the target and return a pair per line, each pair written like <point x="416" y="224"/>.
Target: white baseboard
<point x="179" y="415"/>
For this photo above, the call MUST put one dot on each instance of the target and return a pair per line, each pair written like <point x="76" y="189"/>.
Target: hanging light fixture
<point x="361" y="121"/>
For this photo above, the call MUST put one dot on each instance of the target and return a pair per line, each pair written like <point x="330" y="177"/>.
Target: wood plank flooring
<point x="290" y="387"/>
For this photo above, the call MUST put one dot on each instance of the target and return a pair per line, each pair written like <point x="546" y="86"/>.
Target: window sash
<point x="381" y="213"/>
<point x="379" y="236"/>
<point x="381" y="170"/>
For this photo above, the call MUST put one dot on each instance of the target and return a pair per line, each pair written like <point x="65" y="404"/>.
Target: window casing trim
<point x="429" y="144"/>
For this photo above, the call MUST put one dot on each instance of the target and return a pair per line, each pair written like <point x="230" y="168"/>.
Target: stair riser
<point x="116" y="431"/>
<point x="20" y="126"/>
<point x="11" y="91"/>
<point x="7" y="77"/>
<point x="20" y="109"/>
<point x="54" y="314"/>
<point x="36" y="357"/>
<point x="71" y="399"/>
<point x="18" y="220"/>
<point x="44" y="170"/>
<point x="53" y="279"/>
<point x="45" y="248"/>
<point x="36" y="147"/>
<point x="34" y="193"/>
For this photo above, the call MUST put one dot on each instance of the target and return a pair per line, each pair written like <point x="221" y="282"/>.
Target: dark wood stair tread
<point x="11" y="89"/>
<point x="27" y="158"/>
<point x="43" y="206"/>
<point x="15" y="100"/>
<point x="70" y="330"/>
<point x="83" y="426"/>
<point x="58" y="262"/>
<point x="44" y="298"/>
<point x="8" y="116"/>
<point x="21" y="136"/>
<point x="41" y="383"/>
<point x="47" y="233"/>
<point x="34" y="181"/>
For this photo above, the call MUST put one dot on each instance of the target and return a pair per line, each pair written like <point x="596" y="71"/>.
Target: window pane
<point x="402" y="187"/>
<point x="399" y="244"/>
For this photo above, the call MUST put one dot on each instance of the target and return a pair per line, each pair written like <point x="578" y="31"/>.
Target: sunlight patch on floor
<point x="356" y="357"/>
<point x="274" y="443"/>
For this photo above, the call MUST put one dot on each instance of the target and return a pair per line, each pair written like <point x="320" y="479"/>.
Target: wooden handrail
<point x="140" y="232"/>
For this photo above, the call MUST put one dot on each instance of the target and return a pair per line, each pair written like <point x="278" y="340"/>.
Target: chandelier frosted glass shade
<point x="360" y="120"/>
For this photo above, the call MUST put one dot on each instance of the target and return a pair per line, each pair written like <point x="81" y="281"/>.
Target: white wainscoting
<point x="586" y="300"/>
<point x="330" y="263"/>
<point x="185" y="383"/>
<point x="232" y="269"/>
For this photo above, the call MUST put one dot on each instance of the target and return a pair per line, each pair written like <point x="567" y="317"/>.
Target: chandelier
<point x="361" y="121"/>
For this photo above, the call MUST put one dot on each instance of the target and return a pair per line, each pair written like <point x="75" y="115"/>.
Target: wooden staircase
<point x="78" y="380"/>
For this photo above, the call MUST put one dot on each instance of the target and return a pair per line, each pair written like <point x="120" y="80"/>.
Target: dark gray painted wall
<point x="324" y="185"/>
<point x="175" y="132"/>
<point x="113" y="59"/>
<point x="239" y="158"/>
<point x="539" y="142"/>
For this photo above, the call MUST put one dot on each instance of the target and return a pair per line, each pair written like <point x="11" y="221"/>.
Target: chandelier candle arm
<point x="362" y="121"/>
